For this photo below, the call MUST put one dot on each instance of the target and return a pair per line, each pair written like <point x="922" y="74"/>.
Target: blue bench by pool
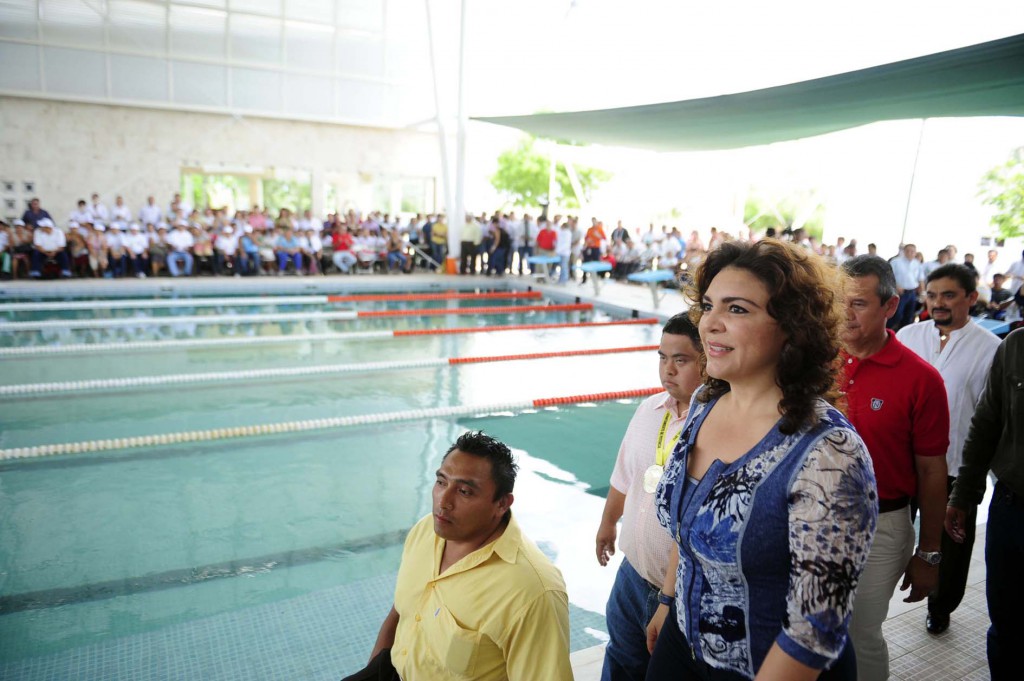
<point x="652" y="278"/>
<point x="594" y="268"/>
<point x="540" y="264"/>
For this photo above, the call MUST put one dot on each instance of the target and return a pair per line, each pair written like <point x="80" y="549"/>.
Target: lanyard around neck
<point x="662" y="451"/>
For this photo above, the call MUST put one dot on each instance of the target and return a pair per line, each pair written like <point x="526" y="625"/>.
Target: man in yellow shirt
<point x="475" y="598"/>
<point x="439" y="240"/>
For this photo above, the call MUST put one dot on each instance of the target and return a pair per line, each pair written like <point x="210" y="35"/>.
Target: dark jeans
<point x="905" y="312"/>
<point x="1004" y="590"/>
<point x="674" y="661"/>
<point x="956" y="561"/>
<point x="467" y="257"/>
<point x="379" y="669"/>
<point x="524" y="253"/>
<point x="496" y="263"/>
<point x="631" y="605"/>
<point x="39" y="262"/>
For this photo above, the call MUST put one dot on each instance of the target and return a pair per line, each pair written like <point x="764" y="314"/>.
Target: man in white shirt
<point x="136" y="245"/>
<point x="225" y="251"/>
<point x="116" y="250"/>
<point x="941" y="259"/>
<point x="962" y="352"/>
<point x="180" y="242"/>
<point x="97" y="210"/>
<point x="150" y="214"/>
<point x="1015" y="274"/>
<point x="81" y="214"/>
<point x="909" y="279"/>
<point x="526" y="242"/>
<point x="646" y="547"/>
<point x="48" y="244"/>
<point x="120" y="211"/>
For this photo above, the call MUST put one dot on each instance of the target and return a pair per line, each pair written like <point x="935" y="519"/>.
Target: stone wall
<point x="70" y="149"/>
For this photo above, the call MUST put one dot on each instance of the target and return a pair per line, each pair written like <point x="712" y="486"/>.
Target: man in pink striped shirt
<point x="647" y="548"/>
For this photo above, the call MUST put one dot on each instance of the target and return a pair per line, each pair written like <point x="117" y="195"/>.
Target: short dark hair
<point x="962" y="275"/>
<point x="503" y="466"/>
<point x="866" y="265"/>
<point x="682" y="325"/>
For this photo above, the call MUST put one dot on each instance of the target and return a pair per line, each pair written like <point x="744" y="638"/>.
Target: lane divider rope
<point x="508" y="309"/>
<point x="321" y="370"/>
<point x="448" y="295"/>
<point x="343" y="315"/>
<point x="135" y="442"/>
<point x="195" y="343"/>
<point x="131" y="303"/>
<point x="139" y="303"/>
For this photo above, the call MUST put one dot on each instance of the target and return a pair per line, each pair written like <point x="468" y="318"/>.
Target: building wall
<point x="69" y="149"/>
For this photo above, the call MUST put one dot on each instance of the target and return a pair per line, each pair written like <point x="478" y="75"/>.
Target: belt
<point x="1003" y="490"/>
<point x="887" y="505"/>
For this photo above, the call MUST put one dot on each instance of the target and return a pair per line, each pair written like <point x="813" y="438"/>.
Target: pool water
<point x="275" y="556"/>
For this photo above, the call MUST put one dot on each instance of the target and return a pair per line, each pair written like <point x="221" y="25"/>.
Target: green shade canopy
<point x="980" y="80"/>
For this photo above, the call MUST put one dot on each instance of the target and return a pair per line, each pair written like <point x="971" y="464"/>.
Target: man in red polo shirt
<point x="897" y="402"/>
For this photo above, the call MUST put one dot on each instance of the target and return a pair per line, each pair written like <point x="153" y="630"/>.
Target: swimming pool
<point x="274" y="556"/>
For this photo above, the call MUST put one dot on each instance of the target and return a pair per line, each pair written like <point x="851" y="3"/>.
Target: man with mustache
<point x="474" y="597"/>
<point x="962" y="352"/>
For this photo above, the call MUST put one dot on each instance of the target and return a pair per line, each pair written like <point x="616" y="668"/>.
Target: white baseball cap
<point x="44" y="222"/>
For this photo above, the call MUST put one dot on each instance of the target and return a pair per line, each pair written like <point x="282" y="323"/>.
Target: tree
<point x="523" y="174"/>
<point x="799" y="209"/>
<point x="1003" y="188"/>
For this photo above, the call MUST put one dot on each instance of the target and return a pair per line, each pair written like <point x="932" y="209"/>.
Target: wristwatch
<point x="663" y="599"/>
<point x="931" y="557"/>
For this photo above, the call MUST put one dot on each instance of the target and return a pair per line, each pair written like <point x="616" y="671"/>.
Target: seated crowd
<point x="101" y="241"/>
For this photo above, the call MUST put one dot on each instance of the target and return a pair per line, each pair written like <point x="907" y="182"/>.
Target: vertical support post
<point x="910" y="189"/>
<point x="457" y="213"/>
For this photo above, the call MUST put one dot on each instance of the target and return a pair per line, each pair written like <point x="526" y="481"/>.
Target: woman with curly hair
<point x="769" y="495"/>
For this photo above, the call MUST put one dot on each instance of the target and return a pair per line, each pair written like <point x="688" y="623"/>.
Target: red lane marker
<point x="519" y="327"/>
<point x="510" y="309"/>
<point x="545" y="355"/>
<point x="596" y="397"/>
<point x="449" y="295"/>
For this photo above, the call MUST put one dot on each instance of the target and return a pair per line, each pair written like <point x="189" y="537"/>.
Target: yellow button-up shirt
<point x="499" y="613"/>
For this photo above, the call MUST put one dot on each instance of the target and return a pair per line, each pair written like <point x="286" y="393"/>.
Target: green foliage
<point x="523" y="175"/>
<point x="798" y="209"/>
<point x="1003" y="188"/>
<point x="295" y="195"/>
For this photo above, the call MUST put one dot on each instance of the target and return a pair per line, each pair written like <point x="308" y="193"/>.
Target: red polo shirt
<point x="897" y="402"/>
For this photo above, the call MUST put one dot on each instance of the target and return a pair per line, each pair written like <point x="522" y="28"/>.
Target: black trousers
<point x="956" y="561"/>
<point x="673" y="660"/>
<point x="379" y="669"/>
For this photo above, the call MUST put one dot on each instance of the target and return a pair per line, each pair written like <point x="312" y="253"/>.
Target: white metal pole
<point x="442" y="137"/>
<point x="457" y="216"/>
<point x="910" y="189"/>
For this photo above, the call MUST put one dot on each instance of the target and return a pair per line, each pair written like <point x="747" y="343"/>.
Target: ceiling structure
<point x="980" y="80"/>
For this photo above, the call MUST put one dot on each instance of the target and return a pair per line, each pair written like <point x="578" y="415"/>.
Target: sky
<point x="560" y="55"/>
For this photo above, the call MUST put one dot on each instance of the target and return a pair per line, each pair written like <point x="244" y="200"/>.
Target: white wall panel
<point x="308" y="95"/>
<point x="18" y="19"/>
<point x="20" y="66"/>
<point x="200" y="84"/>
<point x="255" y="39"/>
<point x="309" y="46"/>
<point x="75" y="72"/>
<point x="269" y="7"/>
<point x="142" y="78"/>
<point x="255" y="89"/>
<point x="360" y="56"/>
<point x="137" y="26"/>
<point x="198" y="32"/>
<point x="362" y="14"/>
<point x="73" y="22"/>
<point x="319" y="11"/>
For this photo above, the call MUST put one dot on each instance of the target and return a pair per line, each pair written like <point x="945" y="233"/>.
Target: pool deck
<point x="915" y="655"/>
